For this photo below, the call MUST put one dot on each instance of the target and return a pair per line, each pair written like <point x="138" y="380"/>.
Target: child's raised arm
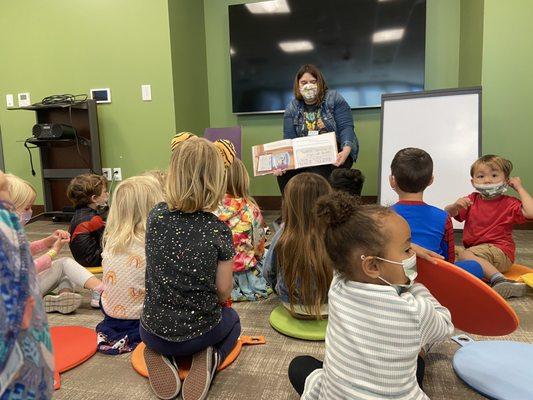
<point x="455" y="208"/>
<point x="224" y="280"/>
<point x="435" y="319"/>
<point x="527" y="200"/>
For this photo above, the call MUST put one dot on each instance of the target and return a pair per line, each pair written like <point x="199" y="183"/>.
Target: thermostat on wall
<point x="101" y="95"/>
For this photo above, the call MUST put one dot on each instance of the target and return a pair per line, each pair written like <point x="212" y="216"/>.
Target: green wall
<point x="442" y="66"/>
<point x="508" y="83"/>
<point x="189" y="66"/>
<point x="471" y="46"/>
<point x="69" y="46"/>
<point x="181" y="48"/>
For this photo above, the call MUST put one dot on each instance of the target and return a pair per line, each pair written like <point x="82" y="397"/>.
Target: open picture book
<point x="307" y="151"/>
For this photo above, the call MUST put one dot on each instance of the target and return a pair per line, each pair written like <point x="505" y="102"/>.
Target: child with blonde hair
<point x="297" y="264"/>
<point x="379" y="319"/>
<point x="61" y="273"/>
<point x="189" y="259"/>
<point x="242" y="215"/>
<point x="124" y="263"/>
<point x="159" y="174"/>
<point x="26" y="357"/>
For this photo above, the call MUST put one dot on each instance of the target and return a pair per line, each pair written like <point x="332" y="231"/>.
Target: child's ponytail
<point x="350" y="227"/>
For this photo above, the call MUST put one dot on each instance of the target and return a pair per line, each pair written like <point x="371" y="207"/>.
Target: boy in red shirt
<point x="489" y="217"/>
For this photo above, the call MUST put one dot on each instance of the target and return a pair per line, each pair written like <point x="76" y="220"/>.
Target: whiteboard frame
<point x="477" y="90"/>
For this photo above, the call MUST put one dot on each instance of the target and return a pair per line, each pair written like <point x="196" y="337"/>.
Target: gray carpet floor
<point x="260" y="372"/>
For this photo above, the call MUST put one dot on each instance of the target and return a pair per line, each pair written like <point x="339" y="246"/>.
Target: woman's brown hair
<point x="320" y="82"/>
<point x="300" y="251"/>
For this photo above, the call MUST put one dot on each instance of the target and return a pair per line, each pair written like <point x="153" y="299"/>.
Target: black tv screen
<point x="364" y="48"/>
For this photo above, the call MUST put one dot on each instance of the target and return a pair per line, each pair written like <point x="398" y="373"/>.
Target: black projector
<point x="53" y="131"/>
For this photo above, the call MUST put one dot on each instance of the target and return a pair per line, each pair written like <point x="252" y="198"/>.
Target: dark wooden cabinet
<point x="63" y="159"/>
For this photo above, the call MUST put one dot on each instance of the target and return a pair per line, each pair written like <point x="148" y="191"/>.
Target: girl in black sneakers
<point x="189" y="258"/>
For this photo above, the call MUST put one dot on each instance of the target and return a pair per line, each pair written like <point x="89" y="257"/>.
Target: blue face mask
<point x="409" y="269"/>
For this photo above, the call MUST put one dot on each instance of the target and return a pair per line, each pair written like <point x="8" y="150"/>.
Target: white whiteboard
<point x="446" y="124"/>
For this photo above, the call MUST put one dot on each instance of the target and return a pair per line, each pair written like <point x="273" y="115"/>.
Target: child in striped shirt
<point x="379" y="320"/>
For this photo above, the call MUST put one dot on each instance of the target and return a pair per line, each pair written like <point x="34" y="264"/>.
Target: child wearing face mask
<point x="489" y="217"/>
<point x="379" y="320"/>
<point x="26" y="357"/>
<point x="52" y="272"/>
<point x="88" y="194"/>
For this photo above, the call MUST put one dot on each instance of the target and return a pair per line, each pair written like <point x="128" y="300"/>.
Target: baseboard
<point x="273" y="203"/>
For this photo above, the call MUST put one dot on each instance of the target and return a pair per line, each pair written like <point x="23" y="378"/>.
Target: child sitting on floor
<point x="124" y="263"/>
<point x="242" y="215"/>
<point x="297" y="265"/>
<point x="62" y="273"/>
<point x="189" y="260"/>
<point x="26" y="359"/>
<point x="431" y="227"/>
<point x="489" y="217"/>
<point x="88" y="194"/>
<point x="379" y="319"/>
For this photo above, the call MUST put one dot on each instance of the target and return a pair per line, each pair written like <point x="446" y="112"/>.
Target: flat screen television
<point x="363" y="47"/>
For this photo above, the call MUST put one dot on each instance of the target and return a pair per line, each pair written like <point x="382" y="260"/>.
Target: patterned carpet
<point x="260" y="373"/>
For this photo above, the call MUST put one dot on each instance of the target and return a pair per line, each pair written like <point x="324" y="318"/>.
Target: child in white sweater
<point x="379" y="319"/>
<point x="124" y="263"/>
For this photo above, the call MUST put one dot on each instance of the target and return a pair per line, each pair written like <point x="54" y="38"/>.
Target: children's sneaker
<point x="508" y="288"/>
<point x="162" y="374"/>
<point x="64" y="303"/>
<point x="95" y="299"/>
<point x="196" y="384"/>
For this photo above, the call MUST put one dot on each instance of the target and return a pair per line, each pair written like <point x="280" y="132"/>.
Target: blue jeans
<point x="222" y="337"/>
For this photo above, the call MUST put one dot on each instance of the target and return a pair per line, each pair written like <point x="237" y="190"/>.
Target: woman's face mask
<point x="309" y="91"/>
<point x="491" y="190"/>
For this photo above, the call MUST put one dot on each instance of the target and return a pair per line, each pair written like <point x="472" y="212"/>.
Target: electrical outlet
<point x="117" y="174"/>
<point x="107" y="173"/>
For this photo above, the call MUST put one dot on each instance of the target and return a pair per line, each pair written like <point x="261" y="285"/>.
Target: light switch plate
<point x="10" y="101"/>
<point x="146" y="91"/>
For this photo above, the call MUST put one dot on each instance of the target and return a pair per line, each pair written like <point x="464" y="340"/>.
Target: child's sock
<point x="497" y="277"/>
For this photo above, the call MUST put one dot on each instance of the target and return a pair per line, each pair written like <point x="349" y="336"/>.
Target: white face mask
<point x="309" y="91"/>
<point x="25" y="216"/>
<point x="491" y="189"/>
<point x="409" y="269"/>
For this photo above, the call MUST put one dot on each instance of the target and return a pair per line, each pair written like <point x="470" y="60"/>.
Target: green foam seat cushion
<point x="282" y="321"/>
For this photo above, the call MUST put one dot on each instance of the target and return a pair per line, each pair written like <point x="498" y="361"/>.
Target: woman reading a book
<point x="316" y="109"/>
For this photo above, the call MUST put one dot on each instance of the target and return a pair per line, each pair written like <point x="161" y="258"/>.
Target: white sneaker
<point x="508" y="288"/>
<point x="63" y="303"/>
<point x="95" y="299"/>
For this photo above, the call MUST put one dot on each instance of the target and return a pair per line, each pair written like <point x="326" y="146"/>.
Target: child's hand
<point x="516" y="183"/>
<point x="463" y="202"/>
<point x="425" y="253"/>
<point x="61" y="234"/>
<point x="278" y="172"/>
<point x="59" y="243"/>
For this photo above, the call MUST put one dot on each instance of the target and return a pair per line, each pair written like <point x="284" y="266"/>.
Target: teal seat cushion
<point x="282" y="321"/>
